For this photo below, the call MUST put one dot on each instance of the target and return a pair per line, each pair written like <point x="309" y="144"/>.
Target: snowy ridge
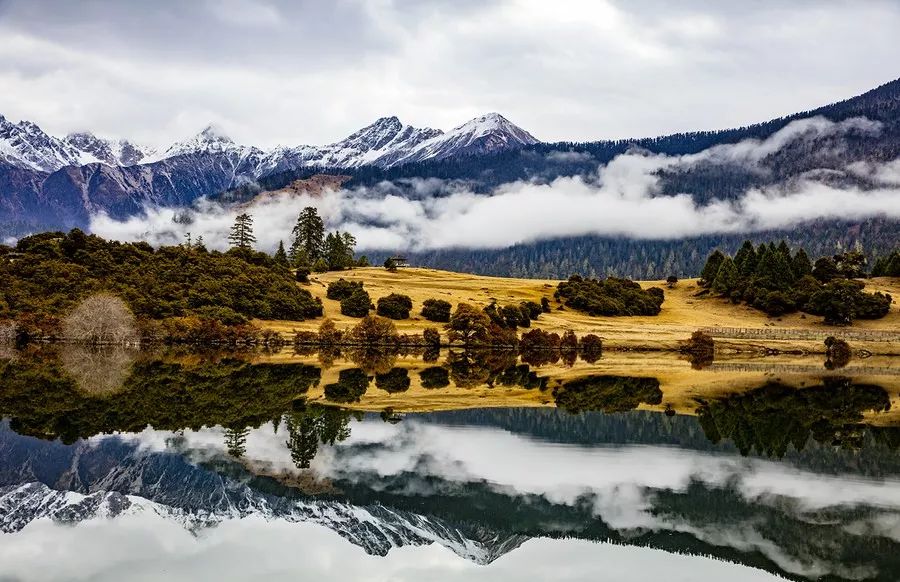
<point x="376" y="529"/>
<point x="385" y="143"/>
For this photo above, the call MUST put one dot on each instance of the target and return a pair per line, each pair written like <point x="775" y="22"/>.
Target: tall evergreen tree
<point x="727" y="278"/>
<point x="280" y="256"/>
<point x="784" y="249"/>
<point x="744" y="254"/>
<point x="241" y="236"/>
<point x="801" y="265"/>
<point x="309" y="237"/>
<point x="711" y="268"/>
<point x="773" y="271"/>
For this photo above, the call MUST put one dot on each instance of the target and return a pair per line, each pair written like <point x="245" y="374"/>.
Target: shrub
<point x="100" y="319"/>
<point x="671" y="281"/>
<point x="394" y="306"/>
<point x="534" y="310"/>
<point x="372" y="330"/>
<point x="545" y="305"/>
<point x="436" y="310"/>
<point x="341" y="289"/>
<point x="432" y="337"/>
<point x="837" y="353"/>
<point x="357" y="304"/>
<point x="610" y="297"/>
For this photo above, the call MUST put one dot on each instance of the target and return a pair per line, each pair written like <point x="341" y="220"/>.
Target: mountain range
<point x="49" y="182"/>
<point x="59" y="183"/>
<point x="385" y="143"/>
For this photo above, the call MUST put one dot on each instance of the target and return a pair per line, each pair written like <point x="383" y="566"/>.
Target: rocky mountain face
<point x="46" y="182"/>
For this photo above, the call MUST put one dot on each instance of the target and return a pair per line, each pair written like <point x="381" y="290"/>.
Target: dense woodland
<point x="648" y="260"/>
<point x="774" y="280"/>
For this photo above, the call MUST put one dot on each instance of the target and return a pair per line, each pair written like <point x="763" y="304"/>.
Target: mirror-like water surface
<point x="122" y="465"/>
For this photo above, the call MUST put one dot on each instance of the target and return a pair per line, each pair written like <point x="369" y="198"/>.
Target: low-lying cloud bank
<point x="624" y="200"/>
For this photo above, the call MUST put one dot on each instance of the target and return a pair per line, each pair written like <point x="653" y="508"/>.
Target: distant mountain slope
<point x="46" y="182"/>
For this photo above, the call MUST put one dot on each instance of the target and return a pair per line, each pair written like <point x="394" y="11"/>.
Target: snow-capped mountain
<point x="212" y="140"/>
<point x="386" y="142"/>
<point x="485" y="134"/>
<point x="112" y="152"/>
<point x="25" y="145"/>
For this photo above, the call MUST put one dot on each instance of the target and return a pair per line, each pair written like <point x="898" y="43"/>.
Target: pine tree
<point x="745" y="253"/>
<point x="801" y="265"/>
<point x="241" y="236"/>
<point x="280" y="256"/>
<point x="784" y="249"/>
<point x="773" y="271"/>
<point x="712" y="267"/>
<point x="727" y="278"/>
<point x="309" y="237"/>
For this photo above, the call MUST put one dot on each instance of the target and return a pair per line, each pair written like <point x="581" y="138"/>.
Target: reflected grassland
<point x="70" y="392"/>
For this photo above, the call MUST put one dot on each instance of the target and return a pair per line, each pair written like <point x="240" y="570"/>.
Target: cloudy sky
<point x="272" y="71"/>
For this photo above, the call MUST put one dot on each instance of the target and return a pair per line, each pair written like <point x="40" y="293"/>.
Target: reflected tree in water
<point x="774" y="417"/>
<point x="236" y="441"/>
<point x="350" y="387"/>
<point x="393" y="381"/>
<point x="99" y="370"/>
<point x="311" y="427"/>
<point x="607" y="393"/>
<point x="435" y="377"/>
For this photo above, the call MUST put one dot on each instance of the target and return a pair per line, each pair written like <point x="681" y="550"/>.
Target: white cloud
<point x="624" y="201"/>
<point x="312" y="72"/>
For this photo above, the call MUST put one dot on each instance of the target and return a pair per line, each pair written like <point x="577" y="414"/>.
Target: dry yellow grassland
<point x="682" y="312"/>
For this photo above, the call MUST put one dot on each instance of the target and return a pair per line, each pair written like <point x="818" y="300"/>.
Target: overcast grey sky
<point x="273" y="71"/>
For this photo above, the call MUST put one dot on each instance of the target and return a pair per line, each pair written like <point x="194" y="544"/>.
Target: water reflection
<point x="802" y="483"/>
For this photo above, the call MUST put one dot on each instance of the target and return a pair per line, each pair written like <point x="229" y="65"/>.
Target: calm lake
<point x="123" y="465"/>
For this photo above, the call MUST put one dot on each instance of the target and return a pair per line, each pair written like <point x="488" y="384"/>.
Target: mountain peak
<point x="213" y="133"/>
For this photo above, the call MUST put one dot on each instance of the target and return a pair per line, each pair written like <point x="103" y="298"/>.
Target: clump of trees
<point x="773" y="280"/>
<point x="312" y="249"/>
<point x="610" y="297"/>
<point x="55" y="271"/>
<point x="436" y="310"/>
<point x="394" y="306"/>
<point x="472" y="326"/>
